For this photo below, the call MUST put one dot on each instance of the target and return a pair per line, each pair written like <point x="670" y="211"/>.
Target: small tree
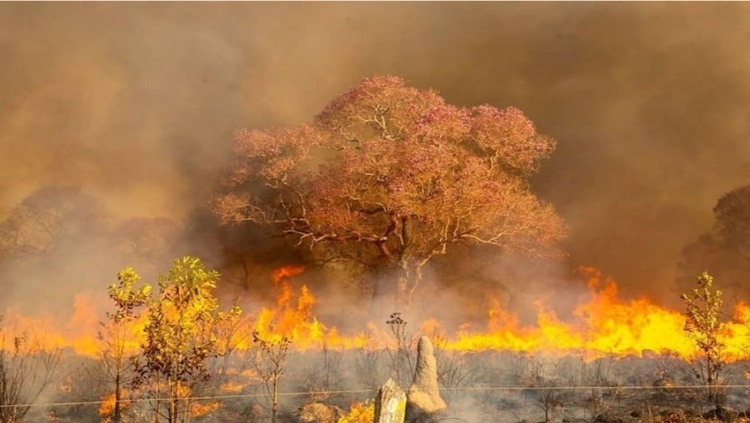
<point x="703" y="307"/>
<point x="180" y="334"/>
<point x="367" y="363"/>
<point x="26" y="370"/>
<point x="544" y="377"/>
<point x="401" y="358"/>
<point x="453" y="370"/>
<point x="115" y="336"/>
<point x="270" y="364"/>
<point x="231" y="330"/>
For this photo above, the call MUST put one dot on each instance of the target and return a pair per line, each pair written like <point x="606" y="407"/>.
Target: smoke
<point x="137" y="102"/>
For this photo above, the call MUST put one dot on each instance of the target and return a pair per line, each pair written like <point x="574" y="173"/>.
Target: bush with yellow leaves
<point x="360" y="412"/>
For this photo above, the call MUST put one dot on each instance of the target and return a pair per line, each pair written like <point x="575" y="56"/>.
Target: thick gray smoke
<point x="137" y="102"/>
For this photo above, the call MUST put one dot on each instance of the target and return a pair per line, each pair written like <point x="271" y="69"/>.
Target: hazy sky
<point x="137" y="102"/>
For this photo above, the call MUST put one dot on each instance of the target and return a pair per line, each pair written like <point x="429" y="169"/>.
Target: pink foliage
<point x="395" y="168"/>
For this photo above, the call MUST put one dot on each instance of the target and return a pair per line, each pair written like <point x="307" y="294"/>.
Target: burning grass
<point x="601" y="325"/>
<point x="610" y="359"/>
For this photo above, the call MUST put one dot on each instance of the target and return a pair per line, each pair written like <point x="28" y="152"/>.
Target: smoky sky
<point x="137" y="102"/>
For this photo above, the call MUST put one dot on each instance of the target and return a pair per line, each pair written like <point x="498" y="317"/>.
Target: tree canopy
<point x="391" y="175"/>
<point x="47" y="220"/>
<point x="703" y="324"/>
<point x="181" y="335"/>
<point x="724" y="250"/>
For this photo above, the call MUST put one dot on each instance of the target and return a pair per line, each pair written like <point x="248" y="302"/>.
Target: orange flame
<point x="107" y="406"/>
<point x="605" y="325"/>
<point x="602" y="324"/>
<point x="292" y="317"/>
<point x="232" y="387"/>
<point x="285" y="272"/>
<point x="201" y="409"/>
<point x="46" y="332"/>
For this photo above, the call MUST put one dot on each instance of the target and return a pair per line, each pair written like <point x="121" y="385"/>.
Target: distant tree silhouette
<point x="724" y="250"/>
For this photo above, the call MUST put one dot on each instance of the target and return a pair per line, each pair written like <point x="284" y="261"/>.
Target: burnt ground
<point x="480" y="387"/>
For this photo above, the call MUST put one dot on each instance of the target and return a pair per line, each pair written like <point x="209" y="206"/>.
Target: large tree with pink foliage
<point x="391" y="175"/>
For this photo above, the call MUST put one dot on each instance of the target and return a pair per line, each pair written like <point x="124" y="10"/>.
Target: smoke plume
<point x="136" y="102"/>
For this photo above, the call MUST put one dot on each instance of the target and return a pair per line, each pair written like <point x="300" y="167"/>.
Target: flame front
<point x="602" y="324"/>
<point x="292" y="317"/>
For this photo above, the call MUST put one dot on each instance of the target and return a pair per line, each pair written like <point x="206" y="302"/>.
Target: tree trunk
<point x="173" y="401"/>
<point x="117" y="417"/>
<point x="403" y="297"/>
<point x="383" y="292"/>
<point x="393" y="288"/>
<point x="275" y="399"/>
<point x="409" y="278"/>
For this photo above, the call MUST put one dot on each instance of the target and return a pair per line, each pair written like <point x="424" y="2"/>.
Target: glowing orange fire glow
<point x="602" y="324"/>
<point x="45" y="331"/>
<point x="107" y="406"/>
<point x="231" y="387"/>
<point x="292" y="317"/>
<point x="200" y="409"/>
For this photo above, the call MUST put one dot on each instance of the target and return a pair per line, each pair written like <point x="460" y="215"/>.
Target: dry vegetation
<point x="479" y="387"/>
